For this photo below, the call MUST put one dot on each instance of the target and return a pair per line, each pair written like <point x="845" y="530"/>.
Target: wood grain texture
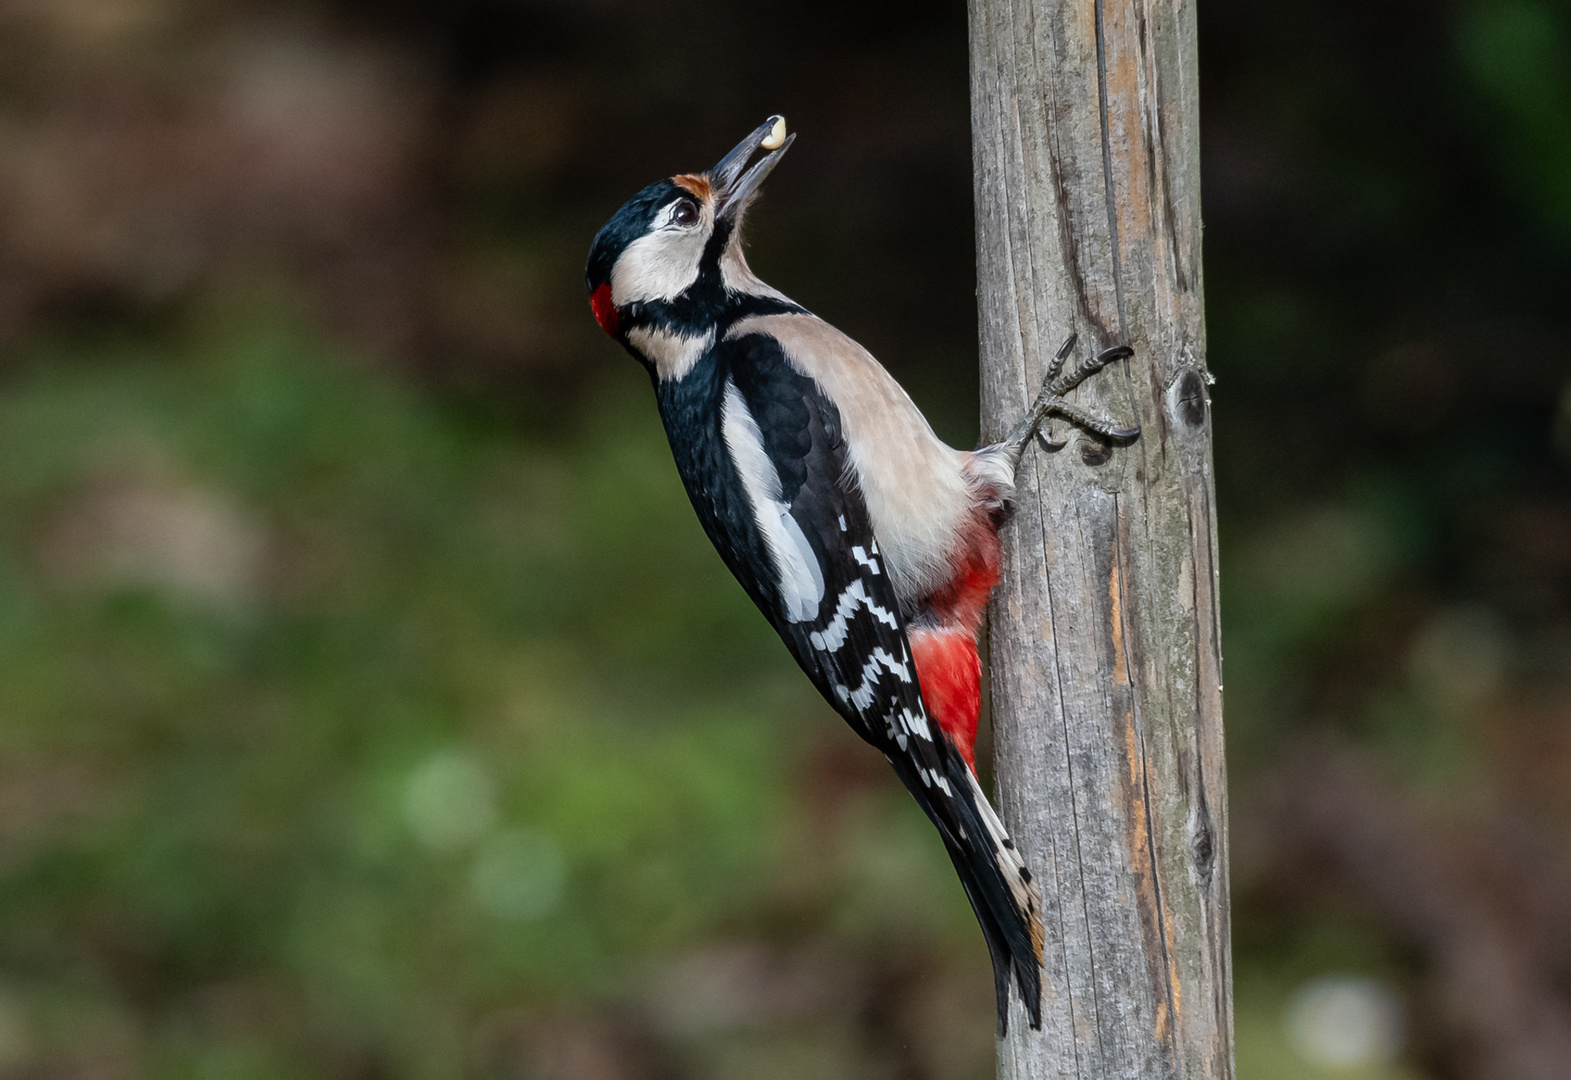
<point x="1105" y="648"/>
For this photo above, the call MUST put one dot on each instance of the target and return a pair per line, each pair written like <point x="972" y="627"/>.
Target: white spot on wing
<point x="895" y="666"/>
<point x="863" y="695"/>
<point x="833" y="635"/>
<point x="800" y="580"/>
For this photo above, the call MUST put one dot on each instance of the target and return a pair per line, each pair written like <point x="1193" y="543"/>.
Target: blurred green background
<point x="373" y="708"/>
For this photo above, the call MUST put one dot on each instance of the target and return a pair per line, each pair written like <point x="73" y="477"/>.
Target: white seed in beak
<point x="776" y="135"/>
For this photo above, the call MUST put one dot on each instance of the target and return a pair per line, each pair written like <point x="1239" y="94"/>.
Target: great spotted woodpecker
<point x="869" y="544"/>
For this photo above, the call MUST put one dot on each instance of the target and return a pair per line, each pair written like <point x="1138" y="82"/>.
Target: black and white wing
<point x="832" y="602"/>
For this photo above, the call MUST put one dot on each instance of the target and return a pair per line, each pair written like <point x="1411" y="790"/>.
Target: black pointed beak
<point x="734" y="187"/>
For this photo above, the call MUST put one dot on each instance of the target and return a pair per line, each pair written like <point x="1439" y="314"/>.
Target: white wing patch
<point x="801" y="581"/>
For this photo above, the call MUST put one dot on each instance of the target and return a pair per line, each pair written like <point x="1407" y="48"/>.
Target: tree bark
<point x="1105" y="649"/>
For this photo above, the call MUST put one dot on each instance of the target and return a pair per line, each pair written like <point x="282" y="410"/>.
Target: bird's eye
<point x="686" y="212"/>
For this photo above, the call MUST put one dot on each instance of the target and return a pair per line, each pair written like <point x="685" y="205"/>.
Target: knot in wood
<point x="1204" y="843"/>
<point x="1191" y="398"/>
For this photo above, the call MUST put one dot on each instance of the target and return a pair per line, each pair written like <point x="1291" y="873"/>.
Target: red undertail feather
<point x="947" y="664"/>
<point x="950" y="673"/>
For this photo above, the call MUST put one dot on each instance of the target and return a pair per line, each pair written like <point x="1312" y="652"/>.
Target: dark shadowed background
<point x="372" y="707"/>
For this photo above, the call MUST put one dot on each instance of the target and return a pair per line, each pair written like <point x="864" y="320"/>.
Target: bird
<point x="869" y="544"/>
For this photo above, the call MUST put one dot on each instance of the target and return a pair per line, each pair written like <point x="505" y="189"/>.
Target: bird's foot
<point x="1050" y="402"/>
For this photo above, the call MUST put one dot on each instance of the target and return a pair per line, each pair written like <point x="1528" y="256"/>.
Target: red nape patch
<point x="950" y="673"/>
<point x="605" y="311"/>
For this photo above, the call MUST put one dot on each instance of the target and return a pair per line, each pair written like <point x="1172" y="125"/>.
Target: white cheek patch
<point x="673" y="355"/>
<point x="801" y="581"/>
<point x="661" y="264"/>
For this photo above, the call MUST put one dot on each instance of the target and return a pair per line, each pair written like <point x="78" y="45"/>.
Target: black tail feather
<point x="997" y="950"/>
<point x="1007" y="910"/>
<point x="1005" y="926"/>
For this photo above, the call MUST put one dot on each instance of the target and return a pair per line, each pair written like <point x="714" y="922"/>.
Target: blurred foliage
<point x="342" y="723"/>
<point x="1519" y="56"/>
<point x="371" y="704"/>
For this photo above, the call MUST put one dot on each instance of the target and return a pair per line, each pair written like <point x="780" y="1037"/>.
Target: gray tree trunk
<point x="1106" y="666"/>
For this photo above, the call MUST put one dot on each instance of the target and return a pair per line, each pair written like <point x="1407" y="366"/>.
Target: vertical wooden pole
<point x="1106" y="667"/>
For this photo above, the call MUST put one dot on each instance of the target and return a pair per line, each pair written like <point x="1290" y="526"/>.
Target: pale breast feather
<point x="739" y="278"/>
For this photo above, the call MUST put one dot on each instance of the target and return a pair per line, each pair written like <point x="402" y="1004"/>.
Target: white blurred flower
<point x="449" y="800"/>
<point x="1341" y="1021"/>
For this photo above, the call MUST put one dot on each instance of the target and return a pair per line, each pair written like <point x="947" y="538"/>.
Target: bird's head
<point x="667" y="260"/>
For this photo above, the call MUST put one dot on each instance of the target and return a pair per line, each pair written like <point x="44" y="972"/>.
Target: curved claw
<point x="1057" y="364"/>
<point x="1090" y="421"/>
<point x="1061" y="384"/>
<point x="1050" y="444"/>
